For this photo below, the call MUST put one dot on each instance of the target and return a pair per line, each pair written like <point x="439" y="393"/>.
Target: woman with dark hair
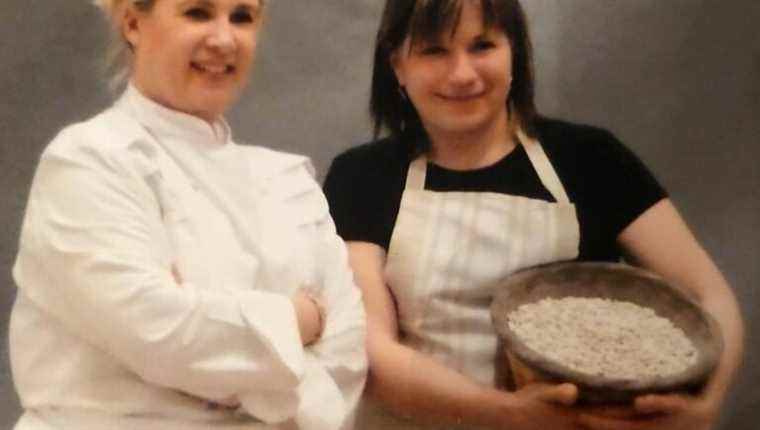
<point x="472" y="185"/>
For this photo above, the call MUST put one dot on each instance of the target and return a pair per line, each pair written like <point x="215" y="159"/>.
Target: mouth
<point x="461" y="97"/>
<point x="213" y="69"/>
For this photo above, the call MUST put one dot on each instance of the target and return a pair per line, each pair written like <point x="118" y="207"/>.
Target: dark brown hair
<point x="428" y="20"/>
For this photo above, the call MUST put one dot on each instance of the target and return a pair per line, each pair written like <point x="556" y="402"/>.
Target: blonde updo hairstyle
<point x="119" y="57"/>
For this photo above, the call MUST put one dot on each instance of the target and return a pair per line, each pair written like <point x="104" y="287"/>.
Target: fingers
<point x="597" y="422"/>
<point x="618" y="412"/>
<point x="310" y="320"/>
<point x="231" y="402"/>
<point x="177" y="276"/>
<point x="215" y="406"/>
<point x="666" y="404"/>
<point x="653" y="412"/>
<point x="562" y="394"/>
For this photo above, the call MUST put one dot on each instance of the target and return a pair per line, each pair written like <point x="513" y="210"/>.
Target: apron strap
<point x="415" y="177"/>
<point x="543" y="166"/>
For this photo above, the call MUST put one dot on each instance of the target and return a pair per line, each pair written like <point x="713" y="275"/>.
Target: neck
<point x="472" y="149"/>
<point x="206" y="117"/>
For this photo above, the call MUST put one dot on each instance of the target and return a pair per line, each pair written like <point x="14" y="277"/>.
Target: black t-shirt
<point x="608" y="184"/>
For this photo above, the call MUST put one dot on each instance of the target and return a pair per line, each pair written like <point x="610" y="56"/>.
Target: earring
<point x="402" y="92"/>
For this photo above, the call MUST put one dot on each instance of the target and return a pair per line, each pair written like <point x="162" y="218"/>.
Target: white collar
<point x="164" y="122"/>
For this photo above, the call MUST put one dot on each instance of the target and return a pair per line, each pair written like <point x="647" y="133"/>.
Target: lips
<point x="214" y="69"/>
<point x="461" y="97"/>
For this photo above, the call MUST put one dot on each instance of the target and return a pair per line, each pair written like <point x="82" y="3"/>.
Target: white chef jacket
<point x="101" y="334"/>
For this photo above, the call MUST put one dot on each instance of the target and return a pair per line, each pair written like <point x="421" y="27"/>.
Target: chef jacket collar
<point x="163" y="121"/>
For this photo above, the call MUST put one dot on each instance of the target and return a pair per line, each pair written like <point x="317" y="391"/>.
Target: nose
<point x="222" y="37"/>
<point x="463" y="71"/>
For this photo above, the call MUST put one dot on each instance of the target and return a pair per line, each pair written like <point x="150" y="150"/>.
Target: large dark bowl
<point x="611" y="281"/>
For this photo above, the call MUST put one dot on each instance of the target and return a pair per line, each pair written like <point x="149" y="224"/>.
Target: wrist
<point x="498" y="409"/>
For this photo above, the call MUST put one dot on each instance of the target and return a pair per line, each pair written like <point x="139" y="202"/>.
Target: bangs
<point x="434" y="20"/>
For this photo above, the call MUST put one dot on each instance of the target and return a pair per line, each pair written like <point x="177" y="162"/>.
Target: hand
<point x="310" y="319"/>
<point x="540" y="406"/>
<point x="659" y="412"/>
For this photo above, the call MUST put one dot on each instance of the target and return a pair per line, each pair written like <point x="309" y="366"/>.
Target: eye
<point x="241" y="17"/>
<point x="432" y="50"/>
<point x="482" y="45"/>
<point x="198" y="14"/>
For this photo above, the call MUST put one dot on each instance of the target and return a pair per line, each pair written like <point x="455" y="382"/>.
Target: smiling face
<point x="194" y="56"/>
<point x="461" y="83"/>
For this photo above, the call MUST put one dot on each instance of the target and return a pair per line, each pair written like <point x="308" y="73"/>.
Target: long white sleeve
<point x="339" y="358"/>
<point x="337" y="363"/>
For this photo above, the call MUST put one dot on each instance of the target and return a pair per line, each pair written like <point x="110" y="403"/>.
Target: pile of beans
<point x="608" y="338"/>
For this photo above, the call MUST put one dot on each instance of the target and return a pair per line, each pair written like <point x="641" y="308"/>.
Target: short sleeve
<point x="363" y="191"/>
<point x="606" y="181"/>
<point x="625" y="187"/>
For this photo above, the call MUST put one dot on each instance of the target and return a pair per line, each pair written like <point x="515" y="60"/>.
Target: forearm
<point x="725" y="310"/>
<point x="406" y="381"/>
<point x="412" y="384"/>
<point x="659" y="240"/>
<point x="698" y="276"/>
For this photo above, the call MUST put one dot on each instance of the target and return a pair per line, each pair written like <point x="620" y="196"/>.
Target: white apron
<point x="449" y="249"/>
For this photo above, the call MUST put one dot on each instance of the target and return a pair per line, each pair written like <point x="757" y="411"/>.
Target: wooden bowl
<point x="610" y="281"/>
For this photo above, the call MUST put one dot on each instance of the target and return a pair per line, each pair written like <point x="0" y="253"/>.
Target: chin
<point x="463" y="124"/>
<point x="212" y="105"/>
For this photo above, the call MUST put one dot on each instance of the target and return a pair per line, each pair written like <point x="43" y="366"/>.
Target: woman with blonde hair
<point x="169" y="278"/>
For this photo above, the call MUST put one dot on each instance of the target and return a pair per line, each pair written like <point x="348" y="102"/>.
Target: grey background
<point x="677" y="80"/>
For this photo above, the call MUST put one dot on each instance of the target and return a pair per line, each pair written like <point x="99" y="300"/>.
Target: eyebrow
<point x="187" y="3"/>
<point x="242" y="5"/>
<point x="255" y="7"/>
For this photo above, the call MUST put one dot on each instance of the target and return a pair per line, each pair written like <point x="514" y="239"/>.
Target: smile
<point x="460" y="97"/>
<point x="213" y="69"/>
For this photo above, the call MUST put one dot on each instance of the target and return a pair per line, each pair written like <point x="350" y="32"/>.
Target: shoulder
<point x="110" y="140"/>
<point x="380" y="159"/>
<point x="270" y="163"/>
<point x="377" y="168"/>
<point x="290" y="176"/>
<point x="581" y="146"/>
<point x="363" y="187"/>
<point x="108" y="131"/>
<point x="595" y="165"/>
<point x="374" y="153"/>
<point x="559" y="134"/>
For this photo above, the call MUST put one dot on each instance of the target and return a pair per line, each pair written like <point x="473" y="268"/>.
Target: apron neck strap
<point x="415" y="177"/>
<point x="543" y="167"/>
